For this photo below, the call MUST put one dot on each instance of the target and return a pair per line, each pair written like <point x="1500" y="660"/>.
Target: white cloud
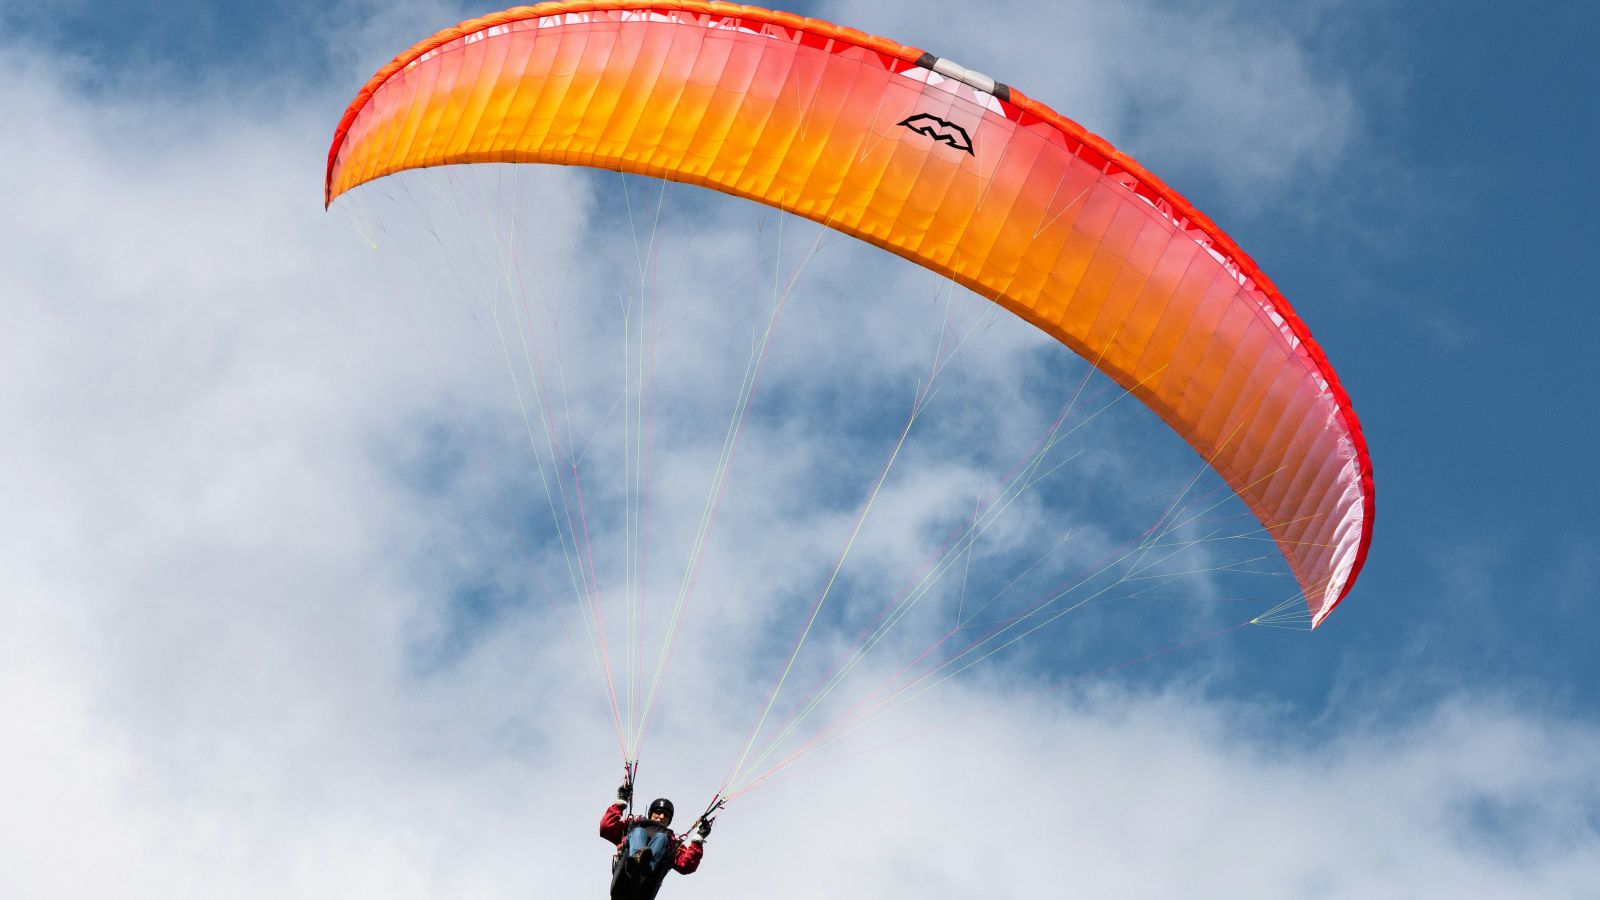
<point x="249" y="470"/>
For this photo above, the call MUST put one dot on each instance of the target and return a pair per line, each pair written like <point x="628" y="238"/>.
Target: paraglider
<point x="962" y="175"/>
<point x="646" y="847"/>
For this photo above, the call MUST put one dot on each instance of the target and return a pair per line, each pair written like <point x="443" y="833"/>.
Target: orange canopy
<point x="941" y="165"/>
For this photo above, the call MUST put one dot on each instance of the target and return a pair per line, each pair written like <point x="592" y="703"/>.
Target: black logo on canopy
<point x="941" y="131"/>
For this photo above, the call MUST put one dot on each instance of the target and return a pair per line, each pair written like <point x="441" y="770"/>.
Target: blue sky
<point x="267" y="575"/>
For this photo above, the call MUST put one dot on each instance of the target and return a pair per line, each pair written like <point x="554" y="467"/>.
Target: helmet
<point x="662" y="804"/>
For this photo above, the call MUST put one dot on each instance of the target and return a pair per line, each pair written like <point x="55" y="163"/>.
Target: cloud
<point x="285" y="615"/>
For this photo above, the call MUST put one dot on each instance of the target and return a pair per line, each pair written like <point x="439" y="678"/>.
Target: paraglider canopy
<point x="946" y="167"/>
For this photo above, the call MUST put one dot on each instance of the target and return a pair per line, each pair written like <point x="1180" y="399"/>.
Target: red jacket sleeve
<point x="688" y="858"/>
<point x="613" y="827"/>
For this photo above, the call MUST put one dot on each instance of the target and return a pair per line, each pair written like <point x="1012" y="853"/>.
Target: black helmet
<point x="662" y="804"/>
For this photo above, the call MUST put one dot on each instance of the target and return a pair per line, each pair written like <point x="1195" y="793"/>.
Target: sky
<point x="284" y="611"/>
